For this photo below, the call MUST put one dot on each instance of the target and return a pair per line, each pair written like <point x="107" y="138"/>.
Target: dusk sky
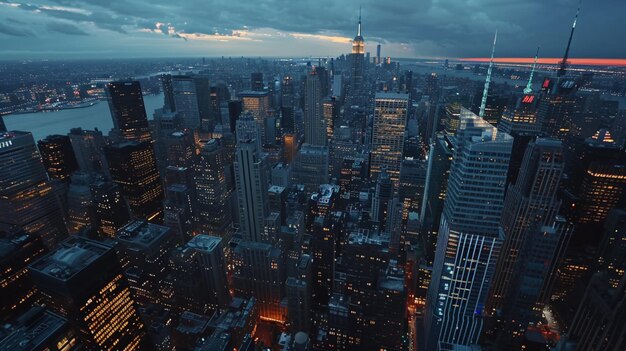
<point x="62" y="29"/>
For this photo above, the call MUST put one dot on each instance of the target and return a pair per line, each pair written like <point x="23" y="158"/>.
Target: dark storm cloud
<point x="427" y="27"/>
<point x="13" y="31"/>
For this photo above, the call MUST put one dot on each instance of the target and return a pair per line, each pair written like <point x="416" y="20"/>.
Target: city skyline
<point x="425" y="29"/>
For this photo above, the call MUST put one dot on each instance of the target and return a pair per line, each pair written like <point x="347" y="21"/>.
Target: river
<point x="42" y="124"/>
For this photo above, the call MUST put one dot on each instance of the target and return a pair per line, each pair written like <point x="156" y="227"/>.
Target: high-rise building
<point x="133" y="167"/>
<point x="390" y="115"/>
<point x="601" y="316"/>
<point x="248" y="129"/>
<point x="529" y="203"/>
<point x="258" y="103"/>
<point x="127" y="110"/>
<point x="357" y="61"/>
<point x="58" y="157"/>
<point x="469" y="239"/>
<point x="330" y="111"/>
<point x="80" y="202"/>
<point x="88" y="148"/>
<point x="17" y="291"/>
<point x="168" y="93"/>
<point x="256" y="81"/>
<point x="206" y="98"/>
<point x="235" y="107"/>
<point x="212" y="194"/>
<point x="179" y="148"/>
<point x="299" y="299"/>
<point x="612" y="252"/>
<point x="144" y="250"/>
<point x="314" y="125"/>
<point x="259" y="272"/>
<point x="27" y="198"/>
<point x="39" y="330"/>
<point x="382" y="195"/>
<point x="341" y="146"/>
<point x="199" y="274"/>
<point x="310" y="167"/>
<point x="251" y="185"/>
<point x="110" y="211"/>
<point x="83" y="281"/>
<point x="186" y="101"/>
<point x="179" y="202"/>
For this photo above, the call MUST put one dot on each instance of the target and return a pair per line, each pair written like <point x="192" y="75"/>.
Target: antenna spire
<point x="563" y="66"/>
<point x="483" y="102"/>
<point x="358" y="31"/>
<point x="529" y="86"/>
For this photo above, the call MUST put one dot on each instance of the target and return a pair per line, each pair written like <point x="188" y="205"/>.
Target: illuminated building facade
<point x="79" y="202"/>
<point x="127" y="109"/>
<point x="259" y="272"/>
<point x="612" y="253"/>
<point x="199" y="275"/>
<point x="357" y="61"/>
<point x="144" y="250"/>
<point x="212" y="194"/>
<point x="17" y="250"/>
<point x="258" y="103"/>
<point x="310" y="167"/>
<point x="469" y="239"/>
<point x="528" y="203"/>
<point x="133" y="168"/>
<point x="110" y="211"/>
<point x="27" y="198"/>
<point x="390" y="115"/>
<point x="82" y="281"/>
<point x="58" y="157"/>
<point x="39" y="330"/>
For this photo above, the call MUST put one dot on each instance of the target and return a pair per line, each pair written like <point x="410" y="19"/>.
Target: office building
<point x="259" y="272"/>
<point x="186" y="101"/>
<point x="83" y="282"/>
<point x="128" y="112"/>
<point x="469" y="239"/>
<point x="529" y="203"/>
<point x="133" y="168"/>
<point x="390" y="115"/>
<point x="144" y="249"/>
<point x="251" y="185"/>
<point x="38" y="329"/>
<point x="80" y="202"/>
<point x="310" y="167"/>
<point x="258" y="103"/>
<point x="110" y="210"/>
<point x="212" y="194"/>
<point x="58" y="157"/>
<point x="27" y="198"/>
<point x="17" y="250"/>
<point x="199" y="275"/>
<point x="88" y="148"/>
<point x="314" y="123"/>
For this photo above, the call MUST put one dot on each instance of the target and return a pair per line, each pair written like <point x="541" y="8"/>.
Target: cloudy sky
<point x="57" y="29"/>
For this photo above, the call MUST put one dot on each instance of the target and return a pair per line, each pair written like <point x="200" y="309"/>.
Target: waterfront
<point x="42" y="124"/>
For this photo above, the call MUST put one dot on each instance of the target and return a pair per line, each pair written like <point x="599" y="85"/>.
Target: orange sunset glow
<point x="552" y="61"/>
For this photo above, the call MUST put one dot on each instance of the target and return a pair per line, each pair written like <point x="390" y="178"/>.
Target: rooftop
<point x="140" y="232"/>
<point x="32" y="330"/>
<point x="204" y="242"/>
<point x="70" y="257"/>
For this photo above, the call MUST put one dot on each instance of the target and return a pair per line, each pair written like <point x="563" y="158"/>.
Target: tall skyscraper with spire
<point x="357" y="61"/>
<point x="469" y="238"/>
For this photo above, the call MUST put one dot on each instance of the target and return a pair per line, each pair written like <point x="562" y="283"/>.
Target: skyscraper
<point x="199" y="273"/>
<point x="529" y="203"/>
<point x="213" y="196"/>
<point x="27" y="198"/>
<point x="79" y="202"/>
<point x="58" y="157"/>
<point x="110" y="209"/>
<point x="258" y="103"/>
<point x="88" y="148"/>
<point x="83" y="281"/>
<point x="17" y="291"/>
<point x="186" y="101"/>
<point x="256" y="81"/>
<point x="469" y="240"/>
<point x="127" y="110"/>
<point x="390" y="116"/>
<point x="251" y="185"/>
<point x="314" y="125"/>
<point x="357" y="61"/>
<point x="310" y="166"/>
<point x="133" y="167"/>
